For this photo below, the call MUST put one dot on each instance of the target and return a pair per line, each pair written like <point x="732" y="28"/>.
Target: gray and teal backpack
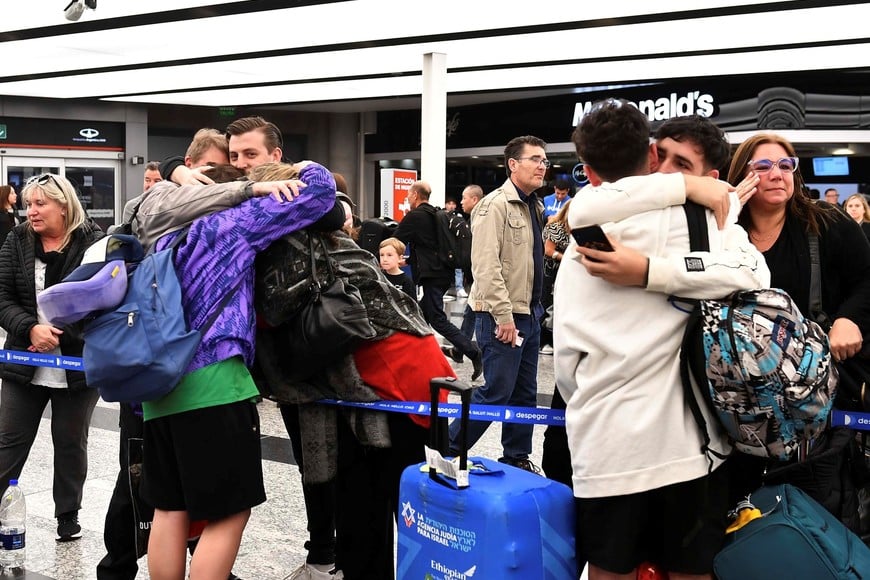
<point x="764" y="369"/>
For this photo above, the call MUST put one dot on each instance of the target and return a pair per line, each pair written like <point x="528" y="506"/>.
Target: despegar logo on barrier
<point x="89" y="135"/>
<point x="662" y="108"/>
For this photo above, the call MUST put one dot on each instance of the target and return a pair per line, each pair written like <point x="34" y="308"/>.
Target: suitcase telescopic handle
<point x="464" y="389"/>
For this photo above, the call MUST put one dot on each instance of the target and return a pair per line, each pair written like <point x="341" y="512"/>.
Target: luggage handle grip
<point x="464" y="389"/>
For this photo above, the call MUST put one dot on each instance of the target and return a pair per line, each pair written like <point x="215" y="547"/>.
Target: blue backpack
<point x="764" y="368"/>
<point x="140" y="350"/>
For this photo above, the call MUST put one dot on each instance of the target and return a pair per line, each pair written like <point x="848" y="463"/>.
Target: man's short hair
<point x="152" y="166"/>
<point x="474" y="190"/>
<point x="394" y="243"/>
<point x="702" y="132"/>
<point x="515" y="147"/>
<point x="422" y="189"/>
<point x="272" y="137"/>
<point x="206" y="139"/>
<point x="562" y="184"/>
<point x="613" y="139"/>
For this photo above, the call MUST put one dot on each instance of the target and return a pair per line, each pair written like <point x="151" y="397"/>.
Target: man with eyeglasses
<point x="507" y="262"/>
<point x="832" y="196"/>
<point x="636" y="450"/>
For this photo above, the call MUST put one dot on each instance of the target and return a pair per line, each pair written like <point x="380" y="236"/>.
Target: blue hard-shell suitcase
<point x="797" y="539"/>
<point x="493" y="521"/>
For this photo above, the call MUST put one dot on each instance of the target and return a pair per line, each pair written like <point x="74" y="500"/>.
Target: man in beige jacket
<point x="508" y="267"/>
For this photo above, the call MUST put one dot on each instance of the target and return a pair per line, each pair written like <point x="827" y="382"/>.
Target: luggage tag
<point x="449" y="469"/>
<point x="745" y="512"/>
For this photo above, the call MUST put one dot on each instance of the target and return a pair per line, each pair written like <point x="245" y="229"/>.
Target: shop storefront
<point x="88" y="153"/>
<point x="826" y="114"/>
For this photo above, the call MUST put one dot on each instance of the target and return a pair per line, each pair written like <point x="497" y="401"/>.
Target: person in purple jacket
<point x="203" y="459"/>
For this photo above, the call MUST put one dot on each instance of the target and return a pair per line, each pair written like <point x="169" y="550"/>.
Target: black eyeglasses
<point x="786" y="165"/>
<point x="536" y="159"/>
<point x="41" y="179"/>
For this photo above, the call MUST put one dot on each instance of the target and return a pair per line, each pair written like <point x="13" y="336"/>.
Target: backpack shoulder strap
<point x="699" y="236"/>
<point x="692" y="357"/>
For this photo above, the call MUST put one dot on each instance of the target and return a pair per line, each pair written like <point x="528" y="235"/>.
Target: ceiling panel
<point x="269" y="52"/>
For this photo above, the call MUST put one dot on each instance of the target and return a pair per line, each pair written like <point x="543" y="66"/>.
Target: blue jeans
<point x="511" y="378"/>
<point x="468" y="322"/>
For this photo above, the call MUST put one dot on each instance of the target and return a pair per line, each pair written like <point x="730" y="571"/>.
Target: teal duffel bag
<point x="794" y="538"/>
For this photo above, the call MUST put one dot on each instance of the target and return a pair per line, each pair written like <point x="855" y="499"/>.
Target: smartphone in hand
<point x="592" y="237"/>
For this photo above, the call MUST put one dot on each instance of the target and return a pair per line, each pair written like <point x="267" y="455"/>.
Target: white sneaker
<point x="547" y="349"/>
<point x="306" y="572"/>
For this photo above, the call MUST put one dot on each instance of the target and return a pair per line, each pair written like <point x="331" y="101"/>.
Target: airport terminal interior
<point x="94" y="89"/>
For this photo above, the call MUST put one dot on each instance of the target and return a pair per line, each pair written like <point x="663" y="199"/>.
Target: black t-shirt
<point x="403" y="283"/>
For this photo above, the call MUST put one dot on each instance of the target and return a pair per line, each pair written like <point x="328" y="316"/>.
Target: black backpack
<point x="454" y="240"/>
<point x="373" y="231"/>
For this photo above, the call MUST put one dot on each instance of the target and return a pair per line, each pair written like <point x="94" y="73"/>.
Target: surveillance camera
<point x="75" y="8"/>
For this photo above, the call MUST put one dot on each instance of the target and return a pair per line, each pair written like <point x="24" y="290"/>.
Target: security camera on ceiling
<point x="75" y="8"/>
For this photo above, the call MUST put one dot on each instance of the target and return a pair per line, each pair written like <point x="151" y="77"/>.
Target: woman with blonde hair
<point x="35" y="255"/>
<point x="857" y="207"/>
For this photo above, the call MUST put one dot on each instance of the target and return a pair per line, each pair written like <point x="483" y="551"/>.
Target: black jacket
<point x="7" y="222"/>
<point x="18" y="298"/>
<point x="418" y="228"/>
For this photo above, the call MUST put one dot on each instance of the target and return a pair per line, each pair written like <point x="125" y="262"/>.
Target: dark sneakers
<point x="68" y="528"/>
<point x="524" y="464"/>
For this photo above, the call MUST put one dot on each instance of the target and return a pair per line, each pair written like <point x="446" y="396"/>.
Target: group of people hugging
<point x="245" y="225"/>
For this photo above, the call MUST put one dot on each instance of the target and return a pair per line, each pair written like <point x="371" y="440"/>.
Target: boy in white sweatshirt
<point x="645" y="489"/>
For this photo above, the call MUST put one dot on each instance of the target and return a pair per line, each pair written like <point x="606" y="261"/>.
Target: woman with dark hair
<point x="8" y="212"/>
<point x="781" y="222"/>
<point x="556" y="237"/>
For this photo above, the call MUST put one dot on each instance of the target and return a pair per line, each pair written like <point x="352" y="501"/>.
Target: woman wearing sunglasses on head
<point x="781" y="221"/>
<point x="37" y="254"/>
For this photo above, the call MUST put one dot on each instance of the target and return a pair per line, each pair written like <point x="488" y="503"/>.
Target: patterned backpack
<point x="767" y="370"/>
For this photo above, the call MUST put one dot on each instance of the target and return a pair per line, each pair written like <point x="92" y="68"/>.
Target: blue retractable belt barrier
<point x="526" y="415"/>
<point x="57" y="361"/>
<point x="850" y="419"/>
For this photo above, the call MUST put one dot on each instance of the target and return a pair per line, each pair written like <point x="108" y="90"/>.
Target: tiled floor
<point x="272" y="544"/>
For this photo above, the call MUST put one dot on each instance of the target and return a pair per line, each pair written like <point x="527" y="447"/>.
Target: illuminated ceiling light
<point x="843" y="151"/>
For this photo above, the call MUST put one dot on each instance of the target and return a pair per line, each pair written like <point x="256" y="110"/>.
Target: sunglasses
<point x="41" y="179"/>
<point x="786" y="165"/>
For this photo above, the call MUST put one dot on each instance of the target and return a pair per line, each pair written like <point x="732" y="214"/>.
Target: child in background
<point x="391" y="251"/>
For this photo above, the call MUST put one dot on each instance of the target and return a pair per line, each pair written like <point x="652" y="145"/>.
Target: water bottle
<point x="13" y="512"/>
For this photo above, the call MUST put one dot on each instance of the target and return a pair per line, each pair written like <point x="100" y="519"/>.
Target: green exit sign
<point x="2" y="131"/>
<point x="227" y="111"/>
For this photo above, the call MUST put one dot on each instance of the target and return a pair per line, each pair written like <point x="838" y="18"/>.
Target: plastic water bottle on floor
<point x="13" y="513"/>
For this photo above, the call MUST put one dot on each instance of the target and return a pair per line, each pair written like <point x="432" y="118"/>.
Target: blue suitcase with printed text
<point x="494" y="521"/>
